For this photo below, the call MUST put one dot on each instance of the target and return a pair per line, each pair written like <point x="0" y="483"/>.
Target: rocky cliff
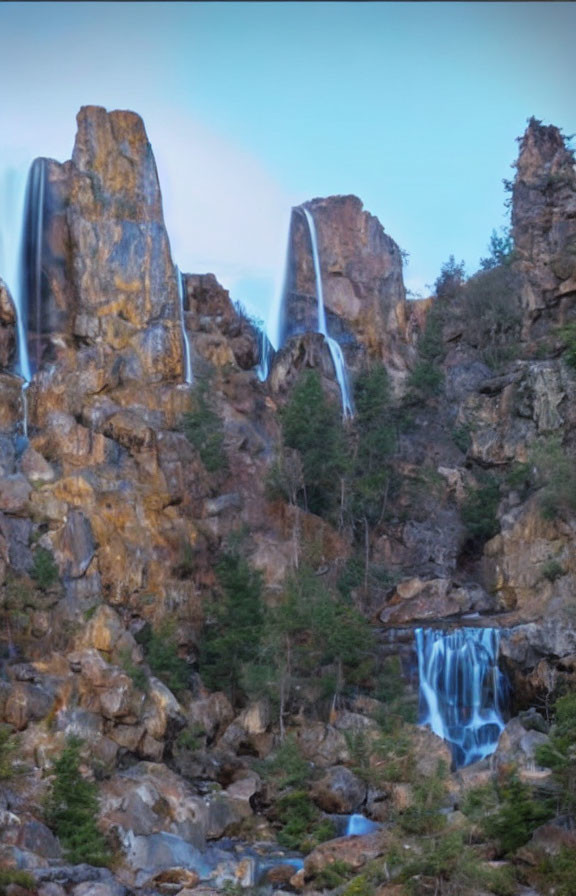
<point x="113" y="516"/>
<point x="361" y="277"/>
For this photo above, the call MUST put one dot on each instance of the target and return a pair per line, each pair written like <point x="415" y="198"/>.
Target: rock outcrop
<point x="544" y="219"/>
<point x="361" y="272"/>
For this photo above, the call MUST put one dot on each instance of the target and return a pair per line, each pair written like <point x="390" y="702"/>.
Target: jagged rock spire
<point x="544" y="215"/>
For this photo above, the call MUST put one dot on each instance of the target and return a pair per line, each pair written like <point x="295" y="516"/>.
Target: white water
<point x="335" y="350"/>
<point x="185" y="339"/>
<point x="358" y="825"/>
<point x="265" y="355"/>
<point x="462" y="691"/>
<point x="12" y="206"/>
<point x="37" y="189"/>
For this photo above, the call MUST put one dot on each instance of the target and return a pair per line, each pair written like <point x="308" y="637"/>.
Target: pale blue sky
<point x="254" y="107"/>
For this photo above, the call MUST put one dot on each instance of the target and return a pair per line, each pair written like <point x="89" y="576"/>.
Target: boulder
<point x="162" y="710"/>
<point x="322" y="744"/>
<point x="339" y="791"/>
<point x="354" y="851"/>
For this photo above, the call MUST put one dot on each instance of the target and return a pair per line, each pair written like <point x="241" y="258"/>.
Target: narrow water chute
<point x="335" y="350"/>
<point x="185" y="337"/>
<point x="265" y="355"/>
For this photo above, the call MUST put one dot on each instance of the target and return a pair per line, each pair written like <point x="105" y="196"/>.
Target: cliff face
<point x="110" y="486"/>
<point x="544" y="218"/>
<point x="361" y="274"/>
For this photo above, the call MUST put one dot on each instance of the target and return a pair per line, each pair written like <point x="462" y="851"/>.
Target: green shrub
<point x="447" y="865"/>
<point x="558" y="873"/>
<point x="426" y="378"/>
<point x="501" y="248"/>
<point x="425" y="381"/>
<point x="568" y="336"/>
<point x="449" y="284"/>
<point x="519" y="476"/>
<point x="302" y="826"/>
<point x="72" y="809"/>
<point x="7" y="749"/>
<point x="462" y="438"/>
<point x="372" y="443"/>
<point x="136" y="671"/>
<point x="490" y="309"/>
<point x="287" y="767"/>
<point x="423" y="817"/>
<point x="11" y="876"/>
<point x="160" y="650"/>
<point x="233" y="631"/>
<point x="517" y="818"/>
<point x="479" y="510"/>
<point x="333" y="875"/>
<point x="312" y="426"/>
<point x="44" y="570"/>
<point x="559" y="754"/>
<point x="556" y="476"/>
<point x="192" y="738"/>
<point x="552" y="569"/>
<point x="204" y="429"/>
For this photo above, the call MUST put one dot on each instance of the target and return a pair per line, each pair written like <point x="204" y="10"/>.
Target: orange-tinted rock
<point x="7" y="328"/>
<point x="361" y="269"/>
<point x="354" y="851"/>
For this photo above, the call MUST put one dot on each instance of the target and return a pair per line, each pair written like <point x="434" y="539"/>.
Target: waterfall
<point x="185" y="338"/>
<point x="12" y="206"/>
<point x="335" y="350"/>
<point x="265" y="355"/>
<point x="33" y="243"/>
<point x="462" y="691"/>
<point x="357" y="825"/>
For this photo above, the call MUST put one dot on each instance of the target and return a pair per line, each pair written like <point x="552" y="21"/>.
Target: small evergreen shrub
<point x="161" y="654"/>
<point x="302" y="825"/>
<point x="333" y="875"/>
<point x="312" y="426"/>
<point x="204" y="430"/>
<point x="552" y="569"/>
<point x="568" y="336"/>
<point x="72" y="809"/>
<point x="287" y="767"/>
<point x="425" y="381"/>
<point x="449" y="284"/>
<point x="559" y="754"/>
<point x="556" y="476"/>
<point x="136" y="672"/>
<point x="233" y="631"/>
<point x="10" y="877"/>
<point x="479" y="510"/>
<point x="517" y="818"/>
<point x="491" y="312"/>
<point x="7" y="748"/>
<point x="462" y="438"/>
<point x="44" y="570"/>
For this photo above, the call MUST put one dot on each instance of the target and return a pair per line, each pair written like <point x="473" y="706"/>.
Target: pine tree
<point x="72" y="809"/>
<point x="232" y="635"/>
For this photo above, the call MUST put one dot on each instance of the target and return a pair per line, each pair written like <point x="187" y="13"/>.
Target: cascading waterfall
<point x="265" y="355"/>
<point x="463" y="693"/>
<point x="32" y="258"/>
<point x="12" y="206"/>
<point x="185" y="338"/>
<point x="335" y="350"/>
